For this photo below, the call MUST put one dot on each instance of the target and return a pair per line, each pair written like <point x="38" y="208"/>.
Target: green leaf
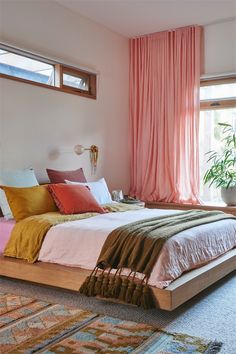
<point x="221" y="172"/>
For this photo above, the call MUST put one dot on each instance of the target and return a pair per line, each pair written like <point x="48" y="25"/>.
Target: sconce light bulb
<point x="79" y="149"/>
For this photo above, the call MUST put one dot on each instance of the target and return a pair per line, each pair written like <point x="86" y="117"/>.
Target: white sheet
<point x="78" y="243"/>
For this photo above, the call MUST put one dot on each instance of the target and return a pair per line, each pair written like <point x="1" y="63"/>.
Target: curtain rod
<point x="168" y="30"/>
<point x="228" y="19"/>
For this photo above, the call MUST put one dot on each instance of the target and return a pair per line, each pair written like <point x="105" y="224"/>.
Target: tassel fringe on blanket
<point x="120" y="287"/>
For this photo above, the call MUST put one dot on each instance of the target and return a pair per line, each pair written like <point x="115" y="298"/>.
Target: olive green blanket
<point x="136" y="246"/>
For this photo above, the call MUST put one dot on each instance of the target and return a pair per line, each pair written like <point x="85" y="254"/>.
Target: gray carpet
<point x="211" y="314"/>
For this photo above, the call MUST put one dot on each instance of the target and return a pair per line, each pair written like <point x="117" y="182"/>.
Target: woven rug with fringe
<point x="32" y="326"/>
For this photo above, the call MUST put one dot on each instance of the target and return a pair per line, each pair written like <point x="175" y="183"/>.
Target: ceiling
<point x="136" y="17"/>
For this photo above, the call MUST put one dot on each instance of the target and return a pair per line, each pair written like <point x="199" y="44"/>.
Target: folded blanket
<point x="136" y="246"/>
<point x="27" y="235"/>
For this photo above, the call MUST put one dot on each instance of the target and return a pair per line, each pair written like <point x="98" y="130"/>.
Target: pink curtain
<point x="164" y="115"/>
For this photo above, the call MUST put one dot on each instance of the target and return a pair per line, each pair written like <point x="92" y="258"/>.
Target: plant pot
<point x="228" y="195"/>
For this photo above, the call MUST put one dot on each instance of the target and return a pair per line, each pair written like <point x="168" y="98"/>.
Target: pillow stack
<point x="21" y="196"/>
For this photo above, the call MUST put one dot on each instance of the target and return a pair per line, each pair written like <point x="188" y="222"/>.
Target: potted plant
<point x="222" y="172"/>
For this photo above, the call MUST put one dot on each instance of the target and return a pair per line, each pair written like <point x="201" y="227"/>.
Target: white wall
<point x="220" y="47"/>
<point x="36" y="121"/>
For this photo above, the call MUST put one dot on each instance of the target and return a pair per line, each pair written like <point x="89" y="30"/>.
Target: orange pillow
<point x="74" y="199"/>
<point x="29" y="201"/>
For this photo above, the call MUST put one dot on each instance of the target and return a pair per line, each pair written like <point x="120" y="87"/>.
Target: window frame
<point x="218" y="103"/>
<point x="83" y="74"/>
<point x="59" y="69"/>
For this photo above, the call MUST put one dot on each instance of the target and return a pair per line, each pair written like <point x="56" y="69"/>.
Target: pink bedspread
<point x="6" y="227"/>
<point x="78" y="243"/>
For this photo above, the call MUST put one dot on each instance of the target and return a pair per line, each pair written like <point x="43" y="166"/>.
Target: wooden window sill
<point x="210" y="206"/>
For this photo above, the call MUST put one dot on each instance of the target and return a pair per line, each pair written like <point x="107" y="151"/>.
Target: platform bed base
<point x="70" y="278"/>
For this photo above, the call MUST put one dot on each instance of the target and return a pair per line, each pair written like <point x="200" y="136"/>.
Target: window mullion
<point x="58" y="75"/>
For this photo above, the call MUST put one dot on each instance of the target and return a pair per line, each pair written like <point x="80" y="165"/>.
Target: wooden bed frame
<point x="178" y="292"/>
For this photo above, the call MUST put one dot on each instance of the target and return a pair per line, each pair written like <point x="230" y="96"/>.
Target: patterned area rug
<point x="33" y="326"/>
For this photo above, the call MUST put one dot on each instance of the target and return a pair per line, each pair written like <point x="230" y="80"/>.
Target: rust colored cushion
<point x="74" y="199"/>
<point x="60" y="176"/>
<point x="25" y="202"/>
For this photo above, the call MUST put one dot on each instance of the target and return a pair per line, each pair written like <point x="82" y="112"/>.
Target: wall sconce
<point x="79" y="149"/>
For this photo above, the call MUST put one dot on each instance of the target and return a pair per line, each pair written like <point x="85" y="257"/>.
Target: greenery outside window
<point x="218" y="105"/>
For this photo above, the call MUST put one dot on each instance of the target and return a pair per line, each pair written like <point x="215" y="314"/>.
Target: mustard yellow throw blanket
<point x="27" y="235"/>
<point x="136" y="246"/>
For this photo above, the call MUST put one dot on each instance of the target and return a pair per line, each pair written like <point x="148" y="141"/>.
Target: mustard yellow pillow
<point x="29" y="201"/>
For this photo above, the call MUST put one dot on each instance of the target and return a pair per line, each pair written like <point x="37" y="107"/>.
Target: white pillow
<point x="14" y="178"/>
<point x="98" y="189"/>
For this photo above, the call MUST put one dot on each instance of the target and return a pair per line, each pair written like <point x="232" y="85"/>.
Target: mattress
<point x="6" y="227"/>
<point x="78" y="243"/>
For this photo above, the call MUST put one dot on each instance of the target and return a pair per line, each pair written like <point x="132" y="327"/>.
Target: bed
<point x="66" y="265"/>
<point x="6" y="227"/>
